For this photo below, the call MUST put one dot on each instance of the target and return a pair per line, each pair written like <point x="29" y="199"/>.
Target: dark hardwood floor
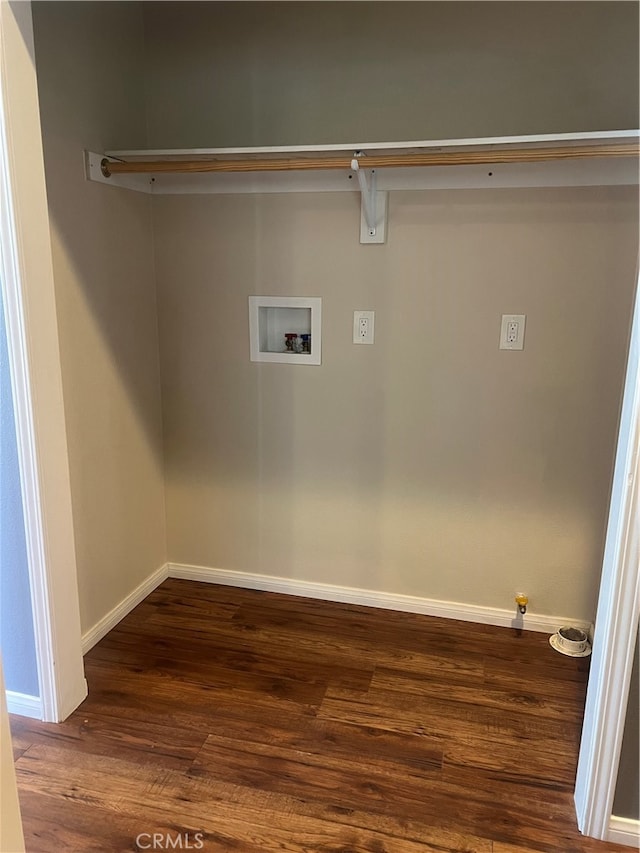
<point x="223" y="719"/>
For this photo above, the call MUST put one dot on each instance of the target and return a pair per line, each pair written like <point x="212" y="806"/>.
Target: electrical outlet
<point x="363" y="322"/>
<point x="512" y="331"/>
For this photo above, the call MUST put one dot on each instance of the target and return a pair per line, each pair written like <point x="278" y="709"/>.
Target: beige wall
<point x="432" y="463"/>
<point x="11" y="835"/>
<point x="89" y="60"/>
<point x="287" y="73"/>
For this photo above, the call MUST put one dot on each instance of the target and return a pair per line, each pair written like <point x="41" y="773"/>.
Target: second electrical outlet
<point x="512" y="331"/>
<point x="363" y="322"/>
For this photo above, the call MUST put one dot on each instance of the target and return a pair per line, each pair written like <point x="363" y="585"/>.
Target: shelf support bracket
<point x="373" y="211"/>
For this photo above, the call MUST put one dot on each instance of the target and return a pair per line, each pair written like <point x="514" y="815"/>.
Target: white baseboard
<point x="327" y="592"/>
<point x="24" y="705"/>
<point x="372" y="598"/>
<point x="623" y="830"/>
<point x="111" y="619"/>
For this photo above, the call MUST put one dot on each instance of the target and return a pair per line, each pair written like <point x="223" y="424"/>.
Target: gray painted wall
<point x="91" y="88"/>
<point x="16" y="622"/>
<point x="223" y="74"/>
<point x="452" y="454"/>
<point x="627" y="799"/>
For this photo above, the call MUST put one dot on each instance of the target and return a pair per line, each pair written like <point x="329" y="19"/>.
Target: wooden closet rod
<point x="375" y="161"/>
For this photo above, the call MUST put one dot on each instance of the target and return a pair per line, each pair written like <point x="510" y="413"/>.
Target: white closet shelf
<point x="382" y="148"/>
<point x="567" y="159"/>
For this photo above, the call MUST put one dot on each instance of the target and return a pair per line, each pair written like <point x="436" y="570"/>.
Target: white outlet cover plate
<point x="509" y="340"/>
<point x="369" y="316"/>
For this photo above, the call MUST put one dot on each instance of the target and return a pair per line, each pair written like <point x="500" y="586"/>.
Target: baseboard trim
<point x="111" y="619"/>
<point x="372" y="598"/>
<point x="623" y="830"/>
<point x="24" y="704"/>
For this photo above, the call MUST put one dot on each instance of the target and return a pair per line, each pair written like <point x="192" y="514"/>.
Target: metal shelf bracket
<point x="373" y="211"/>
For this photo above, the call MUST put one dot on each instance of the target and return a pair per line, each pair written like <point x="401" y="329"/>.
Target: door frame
<point x="34" y="362"/>
<point x="616" y="627"/>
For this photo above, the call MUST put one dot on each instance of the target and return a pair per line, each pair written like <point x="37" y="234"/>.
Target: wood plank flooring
<point x="224" y="719"/>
